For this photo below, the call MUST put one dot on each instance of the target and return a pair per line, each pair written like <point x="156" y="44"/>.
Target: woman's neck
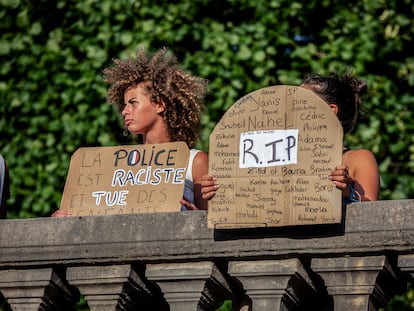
<point x="158" y="138"/>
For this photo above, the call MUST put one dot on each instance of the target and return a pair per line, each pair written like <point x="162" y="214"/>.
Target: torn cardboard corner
<point x="272" y="152"/>
<point x="126" y="179"/>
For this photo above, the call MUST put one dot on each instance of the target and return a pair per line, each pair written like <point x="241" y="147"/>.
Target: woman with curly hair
<point x="358" y="175"/>
<point x="173" y="91"/>
<point x="160" y="103"/>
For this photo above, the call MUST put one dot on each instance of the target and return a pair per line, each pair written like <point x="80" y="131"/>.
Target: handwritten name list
<point x="272" y="153"/>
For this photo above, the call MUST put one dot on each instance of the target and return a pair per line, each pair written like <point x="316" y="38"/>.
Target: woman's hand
<point x="61" y="213"/>
<point x="341" y="178"/>
<point x="189" y="206"/>
<point x="208" y="186"/>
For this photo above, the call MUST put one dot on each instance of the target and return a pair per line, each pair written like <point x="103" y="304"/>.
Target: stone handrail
<point x="172" y="261"/>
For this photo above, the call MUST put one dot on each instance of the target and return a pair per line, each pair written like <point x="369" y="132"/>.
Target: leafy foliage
<point x="403" y="302"/>
<point x="53" y="52"/>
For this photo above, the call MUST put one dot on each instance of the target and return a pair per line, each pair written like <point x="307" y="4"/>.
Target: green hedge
<point x="52" y="97"/>
<point x="53" y="52"/>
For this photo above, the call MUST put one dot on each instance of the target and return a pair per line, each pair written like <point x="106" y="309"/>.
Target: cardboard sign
<point x="272" y="152"/>
<point x="126" y="179"/>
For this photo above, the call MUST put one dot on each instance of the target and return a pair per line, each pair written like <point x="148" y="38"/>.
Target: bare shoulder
<point x="200" y="158"/>
<point x="359" y="155"/>
<point x="360" y="160"/>
<point x="200" y="166"/>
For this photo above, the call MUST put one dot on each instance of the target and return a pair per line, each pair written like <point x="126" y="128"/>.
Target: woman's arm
<point x="365" y="174"/>
<point x="200" y="168"/>
<point x="360" y="170"/>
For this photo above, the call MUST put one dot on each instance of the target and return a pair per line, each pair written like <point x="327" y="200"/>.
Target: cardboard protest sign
<point x="272" y="152"/>
<point x="126" y="179"/>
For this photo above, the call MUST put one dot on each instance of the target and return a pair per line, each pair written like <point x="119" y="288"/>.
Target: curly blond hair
<point x="165" y="81"/>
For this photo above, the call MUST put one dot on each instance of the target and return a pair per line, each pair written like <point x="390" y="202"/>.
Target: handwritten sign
<point x="272" y="152"/>
<point x="126" y="179"/>
<point x="268" y="148"/>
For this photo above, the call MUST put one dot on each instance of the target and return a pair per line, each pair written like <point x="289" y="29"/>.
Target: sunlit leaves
<point x="10" y="3"/>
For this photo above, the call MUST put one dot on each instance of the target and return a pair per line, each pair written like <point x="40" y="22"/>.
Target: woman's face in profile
<point x="141" y="115"/>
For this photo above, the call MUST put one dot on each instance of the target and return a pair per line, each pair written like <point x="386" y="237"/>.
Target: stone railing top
<point x="368" y="227"/>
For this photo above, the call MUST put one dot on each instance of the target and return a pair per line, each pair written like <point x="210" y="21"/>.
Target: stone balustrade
<point x="172" y="261"/>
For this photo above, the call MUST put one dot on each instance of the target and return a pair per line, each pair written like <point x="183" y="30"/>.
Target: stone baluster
<point x="116" y="287"/>
<point x="36" y="289"/>
<point x="406" y="263"/>
<point x="190" y="286"/>
<point x="274" y="284"/>
<point x="357" y="283"/>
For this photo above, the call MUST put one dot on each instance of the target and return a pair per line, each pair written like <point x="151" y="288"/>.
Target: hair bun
<point x="359" y="87"/>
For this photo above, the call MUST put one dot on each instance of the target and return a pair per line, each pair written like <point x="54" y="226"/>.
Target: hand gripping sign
<point x="126" y="179"/>
<point x="272" y="152"/>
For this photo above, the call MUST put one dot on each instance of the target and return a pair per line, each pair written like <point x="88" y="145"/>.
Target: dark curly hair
<point x="182" y="93"/>
<point x="345" y="91"/>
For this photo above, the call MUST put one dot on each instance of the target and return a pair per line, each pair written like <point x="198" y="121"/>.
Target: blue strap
<point x="352" y="196"/>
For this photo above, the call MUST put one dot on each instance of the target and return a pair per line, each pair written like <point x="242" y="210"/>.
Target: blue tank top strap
<point x="189" y="185"/>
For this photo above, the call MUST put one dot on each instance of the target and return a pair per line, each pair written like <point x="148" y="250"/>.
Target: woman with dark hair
<point x="358" y="175"/>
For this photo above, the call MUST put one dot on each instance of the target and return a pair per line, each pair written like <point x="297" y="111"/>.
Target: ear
<point x="160" y="107"/>
<point x="334" y="108"/>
